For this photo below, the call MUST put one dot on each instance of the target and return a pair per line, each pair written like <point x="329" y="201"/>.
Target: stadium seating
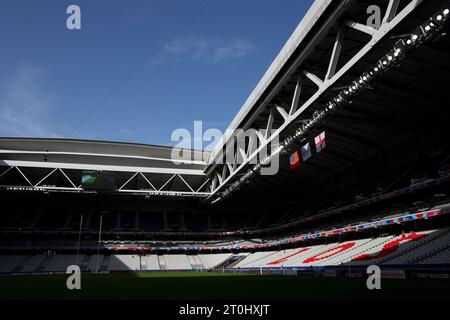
<point x="425" y="247"/>
<point x="404" y="249"/>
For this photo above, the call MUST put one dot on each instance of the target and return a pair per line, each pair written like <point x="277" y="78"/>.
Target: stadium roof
<point x="115" y="156"/>
<point x="399" y="119"/>
<point x="149" y="163"/>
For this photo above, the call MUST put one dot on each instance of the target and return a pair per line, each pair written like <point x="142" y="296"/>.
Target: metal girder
<point x="297" y="92"/>
<point x="283" y="112"/>
<point x="377" y="35"/>
<point x="361" y="27"/>
<point x="40" y="186"/>
<point x="391" y="10"/>
<point x="317" y="81"/>
<point x="334" y="55"/>
<point x="269" y="123"/>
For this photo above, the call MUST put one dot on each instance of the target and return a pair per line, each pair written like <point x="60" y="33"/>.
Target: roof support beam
<point x="131" y="178"/>
<point x="334" y="56"/>
<point x="360" y="27"/>
<point x="6" y="171"/>
<point x="68" y="179"/>
<point x="148" y="181"/>
<point x="20" y="171"/>
<point x="48" y="175"/>
<point x="269" y="123"/>
<point x="391" y="10"/>
<point x="317" y="81"/>
<point x="167" y="182"/>
<point x="283" y="112"/>
<point x="201" y="187"/>
<point x="224" y="172"/>
<point x="185" y="182"/>
<point x="295" y="99"/>
<point x="230" y="167"/>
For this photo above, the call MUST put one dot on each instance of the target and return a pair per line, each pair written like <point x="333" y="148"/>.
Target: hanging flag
<point x="294" y="160"/>
<point x="320" y="142"/>
<point x="306" y="152"/>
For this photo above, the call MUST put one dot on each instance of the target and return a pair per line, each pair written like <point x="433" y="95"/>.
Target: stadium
<point x="356" y="119"/>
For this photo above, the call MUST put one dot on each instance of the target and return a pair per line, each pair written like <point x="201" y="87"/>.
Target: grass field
<point x="192" y="286"/>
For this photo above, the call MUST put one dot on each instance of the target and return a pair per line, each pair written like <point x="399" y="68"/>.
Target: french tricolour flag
<point x="294" y="160"/>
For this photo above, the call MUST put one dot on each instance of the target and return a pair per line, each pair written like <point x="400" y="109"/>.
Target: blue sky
<point x="138" y="69"/>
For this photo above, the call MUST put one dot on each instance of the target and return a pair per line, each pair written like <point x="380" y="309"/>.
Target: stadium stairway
<point x="43" y="264"/>
<point x="60" y="262"/>
<point x="230" y="262"/>
<point x="162" y="263"/>
<point x="27" y="259"/>
<point x="439" y="257"/>
<point x="33" y="264"/>
<point x="372" y="253"/>
<point x="210" y="261"/>
<point x="360" y="246"/>
<point x="434" y="255"/>
<point x="85" y="263"/>
<point x="149" y="263"/>
<point x="253" y="259"/>
<point x="300" y="259"/>
<point x="286" y="258"/>
<point x="96" y="261"/>
<point x="370" y="246"/>
<point x="105" y="263"/>
<point x="404" y="248"/>
<point x="417" y="250"/>
<point x="195" y="262"/>
<point x="143" y="263"/>
<point x="125" y="262"/>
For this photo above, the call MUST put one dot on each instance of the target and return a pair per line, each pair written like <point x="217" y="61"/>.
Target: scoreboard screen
<point x="98" y="180"/>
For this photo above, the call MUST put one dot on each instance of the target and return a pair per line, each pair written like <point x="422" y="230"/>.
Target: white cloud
<point x="24" y="108"/>
<point x="211" y="50"/>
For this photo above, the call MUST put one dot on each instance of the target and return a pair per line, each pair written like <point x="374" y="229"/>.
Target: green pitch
<point x="182" y="286"/>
